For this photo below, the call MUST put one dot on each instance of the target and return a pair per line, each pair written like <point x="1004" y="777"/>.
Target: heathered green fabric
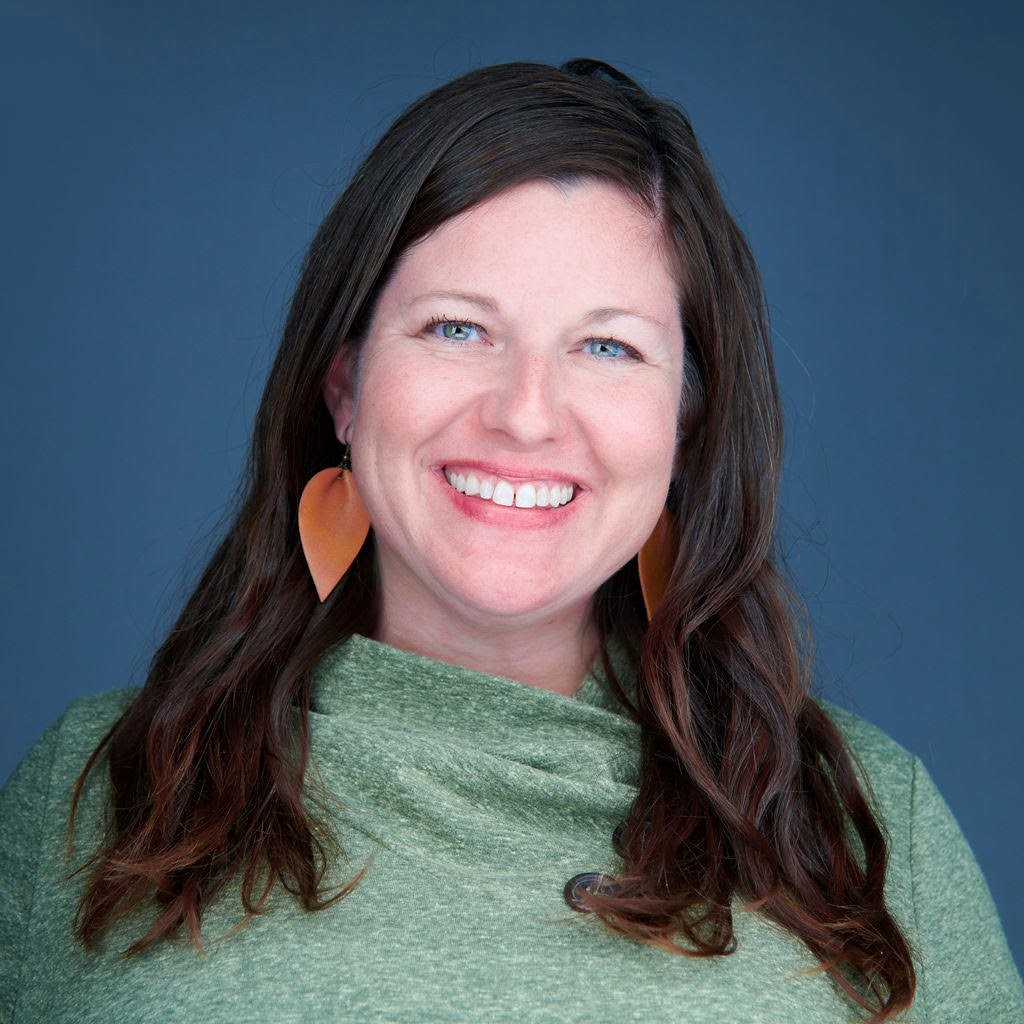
<point x="477" y="798"/>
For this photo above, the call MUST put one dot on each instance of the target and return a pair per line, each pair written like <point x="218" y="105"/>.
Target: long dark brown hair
<point x="746" y="787"/>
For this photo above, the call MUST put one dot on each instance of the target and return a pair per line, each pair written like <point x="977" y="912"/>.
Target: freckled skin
<point x="526" y="385"/>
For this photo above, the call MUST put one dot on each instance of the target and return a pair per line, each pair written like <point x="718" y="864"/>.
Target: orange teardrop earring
<point x="333" y="524"/>
<point x="655" y="561"/>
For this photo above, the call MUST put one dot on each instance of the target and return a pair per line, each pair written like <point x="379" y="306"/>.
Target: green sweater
<point x="477" y="798"/>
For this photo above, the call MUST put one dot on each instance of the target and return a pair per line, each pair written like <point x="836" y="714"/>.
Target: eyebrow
<point x="596" y="316"/>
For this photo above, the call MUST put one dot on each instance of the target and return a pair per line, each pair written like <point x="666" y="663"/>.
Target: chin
<point x="516" y="608"/>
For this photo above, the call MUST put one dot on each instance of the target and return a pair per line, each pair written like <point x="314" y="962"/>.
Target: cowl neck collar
<point x="455" y="771"/>
<point x="374" y="684"/>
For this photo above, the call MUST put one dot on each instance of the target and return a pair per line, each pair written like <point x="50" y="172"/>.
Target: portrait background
<point x="166" y="167"/>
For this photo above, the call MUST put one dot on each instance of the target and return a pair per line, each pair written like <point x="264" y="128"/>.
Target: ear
<point x="339" y="391"/>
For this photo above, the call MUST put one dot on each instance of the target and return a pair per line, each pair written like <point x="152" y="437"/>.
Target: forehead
<point x="587" y="240"/>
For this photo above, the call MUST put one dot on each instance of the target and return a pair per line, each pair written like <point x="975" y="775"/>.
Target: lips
<point x="540" y="493"/>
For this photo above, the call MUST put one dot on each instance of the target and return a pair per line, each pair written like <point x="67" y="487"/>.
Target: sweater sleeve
<point x="24" y="804"/>
<point x="967" y="974"/>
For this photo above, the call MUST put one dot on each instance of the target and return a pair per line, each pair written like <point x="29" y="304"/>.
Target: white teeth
<point x="506" y="494"/>
<point x="526" y="496"/>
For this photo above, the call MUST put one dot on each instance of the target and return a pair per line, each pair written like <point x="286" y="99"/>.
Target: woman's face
<point x="513" y="422"/>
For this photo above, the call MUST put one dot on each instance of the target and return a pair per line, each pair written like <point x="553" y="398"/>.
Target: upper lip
<point x="510" y="474"/>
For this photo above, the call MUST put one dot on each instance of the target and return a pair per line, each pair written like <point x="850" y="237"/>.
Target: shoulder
<point x="34" y="814"/>
<point x="898" y="783"/>
<point x="88" y="719"/>
<point x="908" y="804"/>
<point x="42" y="783"/>
<point x="934" y="884"/>
<point x="887" y="768"/>
<point x="890" y="776"/>
<point x="55" y="760"/>
<point x="860" y="732"/>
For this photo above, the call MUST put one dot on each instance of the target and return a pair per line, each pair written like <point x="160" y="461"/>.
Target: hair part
<point x="747" y="790"/>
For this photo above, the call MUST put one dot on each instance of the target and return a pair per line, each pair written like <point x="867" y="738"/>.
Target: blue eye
<point x="454" y="330"/>
<point x="609" y="348"/>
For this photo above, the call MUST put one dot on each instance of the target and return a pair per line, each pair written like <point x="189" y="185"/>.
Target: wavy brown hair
<point x="746" y="788"/>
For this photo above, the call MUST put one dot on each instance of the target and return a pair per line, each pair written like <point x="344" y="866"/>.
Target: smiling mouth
<point x="511" y="494"/>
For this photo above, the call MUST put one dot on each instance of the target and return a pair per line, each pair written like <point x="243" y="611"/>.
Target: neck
<point x="553" y="654"/>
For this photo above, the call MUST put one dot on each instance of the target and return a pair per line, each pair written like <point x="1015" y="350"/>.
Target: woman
<point x="547" y="725"/>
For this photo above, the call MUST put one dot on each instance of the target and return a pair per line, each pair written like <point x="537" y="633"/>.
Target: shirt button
<point x="618" y="837"/>
<point x="588" y="881"/>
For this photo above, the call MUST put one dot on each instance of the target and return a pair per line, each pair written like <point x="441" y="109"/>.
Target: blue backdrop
<point x="167" y="164"/>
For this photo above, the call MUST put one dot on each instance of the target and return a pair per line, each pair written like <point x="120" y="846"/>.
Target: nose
<point x="525" y="400"/>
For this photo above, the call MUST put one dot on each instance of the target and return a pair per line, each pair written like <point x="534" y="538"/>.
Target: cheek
<point x="391" y="397"/>
<point x="643" y="437"/>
